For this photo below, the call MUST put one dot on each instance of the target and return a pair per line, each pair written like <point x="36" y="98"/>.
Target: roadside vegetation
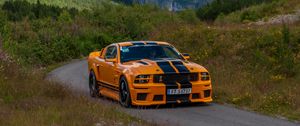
<point x="253" y="67"/>
<point x="27" y="99"/>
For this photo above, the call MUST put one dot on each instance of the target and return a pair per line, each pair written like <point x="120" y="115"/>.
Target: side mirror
<point x="114" y="60"/>
<point x="186" y="56"/>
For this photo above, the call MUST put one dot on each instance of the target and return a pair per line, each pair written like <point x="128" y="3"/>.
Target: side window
<point x="111" y="52"/>
<point x="169" y="52"/>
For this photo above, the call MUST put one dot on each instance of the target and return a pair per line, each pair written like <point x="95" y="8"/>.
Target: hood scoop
<point x="142" y="62"/>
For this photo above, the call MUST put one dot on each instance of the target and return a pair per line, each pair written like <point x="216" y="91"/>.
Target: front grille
<point x="141" y="96"/>
<point x="207" y="93"/>
<point x="172" y="78"/>
<point x="174" y="98"/>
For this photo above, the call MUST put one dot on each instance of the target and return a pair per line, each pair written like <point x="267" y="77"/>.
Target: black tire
<point x="125" y="98"/>
<point x="93" y="86"/>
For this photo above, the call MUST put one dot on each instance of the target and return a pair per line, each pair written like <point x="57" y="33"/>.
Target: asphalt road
<point x="75" y="76"/>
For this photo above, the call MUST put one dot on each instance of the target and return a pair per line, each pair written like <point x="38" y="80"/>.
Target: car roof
<point x="131" y="43"/>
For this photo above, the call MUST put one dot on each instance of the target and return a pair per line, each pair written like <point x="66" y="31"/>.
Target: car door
<point x="109" y="68"/>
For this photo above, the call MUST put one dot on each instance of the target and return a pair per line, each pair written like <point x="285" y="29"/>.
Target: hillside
<point x="266" y="12"/>
<point x="78" y="4"/>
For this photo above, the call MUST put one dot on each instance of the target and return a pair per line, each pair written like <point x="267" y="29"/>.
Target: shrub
<point x="189" y="16"/>
<point x="250" y="16"/>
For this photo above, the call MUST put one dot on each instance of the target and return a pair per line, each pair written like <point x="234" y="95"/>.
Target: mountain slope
<point x="79" y="4"/>
<point x="262" y="12"/>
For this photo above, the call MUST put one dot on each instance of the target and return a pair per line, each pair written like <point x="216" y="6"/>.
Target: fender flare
<point x="128" y="76"/>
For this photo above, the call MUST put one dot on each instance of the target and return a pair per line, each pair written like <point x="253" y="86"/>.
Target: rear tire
<point x="125" y="98"/>
<point x="93" y="86"/>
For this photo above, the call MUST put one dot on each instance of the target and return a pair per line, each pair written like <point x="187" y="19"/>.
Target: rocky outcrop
<point x="175" y="5"/>
<point x="281" y="19"/>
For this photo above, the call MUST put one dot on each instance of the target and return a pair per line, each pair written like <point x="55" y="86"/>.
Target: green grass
<point x="27" y="99"/>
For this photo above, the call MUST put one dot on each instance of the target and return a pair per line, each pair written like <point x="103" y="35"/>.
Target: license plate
<point x="179" y="91"/>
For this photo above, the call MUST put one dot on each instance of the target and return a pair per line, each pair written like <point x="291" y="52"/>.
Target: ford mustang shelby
<point x="147" y="73"/>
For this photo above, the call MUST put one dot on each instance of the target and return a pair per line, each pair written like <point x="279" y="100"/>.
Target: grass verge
<point x="29" y="100"/>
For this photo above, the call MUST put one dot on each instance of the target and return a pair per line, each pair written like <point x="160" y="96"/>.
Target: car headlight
<point x="142" y="79"/>
<point x="205" y="76"/>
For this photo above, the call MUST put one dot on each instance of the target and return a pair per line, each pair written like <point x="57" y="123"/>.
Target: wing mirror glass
<point x="186" y="56"/>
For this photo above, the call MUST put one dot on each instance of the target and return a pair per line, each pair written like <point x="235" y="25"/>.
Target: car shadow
<point x="173" y="106"/>
<point x="108" y="100"/>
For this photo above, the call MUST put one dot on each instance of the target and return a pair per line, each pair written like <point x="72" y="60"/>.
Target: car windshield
<point x="130" y="53"/>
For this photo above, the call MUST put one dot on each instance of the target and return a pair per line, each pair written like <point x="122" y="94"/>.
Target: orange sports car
<point x="146" y="73"/>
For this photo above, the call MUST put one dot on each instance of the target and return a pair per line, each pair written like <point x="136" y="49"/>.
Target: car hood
<point x="163" y="66"/>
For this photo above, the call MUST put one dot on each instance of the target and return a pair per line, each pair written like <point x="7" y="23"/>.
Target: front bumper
<point x="155" y="94"/>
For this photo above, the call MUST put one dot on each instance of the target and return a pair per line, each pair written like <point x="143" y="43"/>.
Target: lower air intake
<point x="158" y="97"/>
<point x="141" y="96"/>
<point x="207" y="93"/>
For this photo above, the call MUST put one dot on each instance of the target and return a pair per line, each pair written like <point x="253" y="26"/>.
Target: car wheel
<point x="125" y="99"/>
<point x="94" y="88"/>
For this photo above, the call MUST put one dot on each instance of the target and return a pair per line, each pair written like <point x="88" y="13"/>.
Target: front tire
<point x="125" y="99"/>
<point x="93" y="86"/>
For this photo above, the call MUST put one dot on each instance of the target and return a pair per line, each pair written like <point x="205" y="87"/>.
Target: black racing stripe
<point x="166" y="67"/>
<point x="151" y="43"/>
<point x="108" y="86"/>
<point x="180" y="67"/>
<point x="183" y="71"/>
<point x="138" y="43"/>
<point x="168" y="70"/>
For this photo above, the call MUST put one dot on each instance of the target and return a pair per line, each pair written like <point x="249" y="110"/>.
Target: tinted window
<point x="111" y="52"/>
<point x="129" y="53"/>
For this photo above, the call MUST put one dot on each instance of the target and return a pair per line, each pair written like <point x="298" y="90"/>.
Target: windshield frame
<point x="168" y="46"/>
